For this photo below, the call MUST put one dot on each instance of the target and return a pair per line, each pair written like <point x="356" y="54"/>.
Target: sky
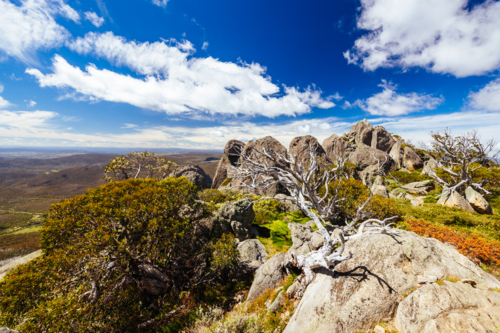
<point x="194" y="74"/>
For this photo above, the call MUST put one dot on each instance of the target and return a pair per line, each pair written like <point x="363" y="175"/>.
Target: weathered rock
<point x="421" y="188"/>
<point x="414" y="201"/>
<point x="268" y="276"/>
<point x="397" y="154"/>
<point x="363" y="131"/>
<point x="287" y="205"/>
<point x="251" y="249"/>
<point x="367" y="165"/>
<point x="378" y="188"/>
<point x="397" y="193"/>
<point x="378" y="329"/>
<point x="452" y="307"/>
<point x="304" y="239"/>
<point x="7" y="330"/>
<point x="300" y="146"/>
<point x="429" y="166"/>
<point x="455" y="200"/>
<point x="194" y="174"/>
<point x="231" y="155"/>
<point x="267" y="143"/>
<point x="239" y="216"/>
<point x="290" y="292"/>
<point x="382" y="140"/>
<point x="477" y="201"/>
<point x="279" y="301"/>
<point x="336" y="147"/>
<point x="366" y="289"/>
<point x="411" y="160"/>
<point x="21" y="261"/>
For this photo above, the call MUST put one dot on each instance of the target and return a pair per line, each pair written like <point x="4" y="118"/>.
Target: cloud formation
<point x="31" y="26"/>
<point x="487" y="98"/>
<point x="3" y="103"/>
<point x="390" y="103"/>
<point x="175" y="82"/>
<point x="443" y="36"/>
<point x="160" y="3"/>
<point x="95" y="19"/>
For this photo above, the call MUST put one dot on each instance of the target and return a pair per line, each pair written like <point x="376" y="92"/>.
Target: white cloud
<point x="31" y="26"/>
<point x="129" y="126"/>
<point x="487" y="98"/>
<point x="161" y="3"/>
<point x="443" y="36"/>
<point x="205" y="46"/>
<point x="30" y="103"/>
<point x="24" y="120"/>
<point x="94" y="19"/>
<point x="390" y="103"/>
<point x="3" y="102"/>
<point x="175" y="82"/>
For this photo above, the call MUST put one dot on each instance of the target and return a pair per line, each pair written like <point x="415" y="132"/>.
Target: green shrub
<point x="404" y="177"/>
<point x="226" y="181"/>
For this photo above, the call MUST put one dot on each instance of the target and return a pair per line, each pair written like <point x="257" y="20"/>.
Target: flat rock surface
<point x="267" y="276"/>
<point x="21" y="261"/>
<point x="366" y="289"/>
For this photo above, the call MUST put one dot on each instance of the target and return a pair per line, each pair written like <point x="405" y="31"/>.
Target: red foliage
<point x="476" y="248"/>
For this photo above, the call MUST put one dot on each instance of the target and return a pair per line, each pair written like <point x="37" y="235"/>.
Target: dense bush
<point x="124" y="254"/>
<point x="404" y="177"/>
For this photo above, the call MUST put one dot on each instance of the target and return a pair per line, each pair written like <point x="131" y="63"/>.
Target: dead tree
<point x="459" y="157"/>
<point x="304" y="179"/>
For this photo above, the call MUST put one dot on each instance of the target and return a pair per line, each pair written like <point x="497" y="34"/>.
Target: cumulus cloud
<point x="487" y="98"/>
<point x="443" y="36"/>
<point x="24" y="120"/>
<point x="160" y="3"/>
<point x="94" y="19"/>
<point x="390" y="103"/>
<point x="31" y="26"/>
<point x="175" y="82"/>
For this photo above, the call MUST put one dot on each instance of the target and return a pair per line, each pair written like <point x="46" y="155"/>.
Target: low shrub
<point x="404" y="177"/>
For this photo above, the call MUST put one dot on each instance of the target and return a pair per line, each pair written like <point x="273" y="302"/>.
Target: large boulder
<point x="251" y="249"/>
<point x="336" y="147"/>
<point x="382" y="140"/>
<point x="304" y="239"/>
<point x="397" y="154"/>
<point x="477" y="201"/>
<point x="366" y="289"/>
<point x="378" y="188"/>
<point x="365" y="160"/>
<point x="267" y="143"/>
<point x="231" y="155"/>
<point x="450" y="307"/>
<point x="300" y="147"/>
<point x="237" y="216"/>
<point x="411" y="160"/>
<point x="268" y="276"/>
<point x="194" y="174"/>
<point x="421" y="188"/>
<point x="455" y="200"/>
<point x="363" y="132"/>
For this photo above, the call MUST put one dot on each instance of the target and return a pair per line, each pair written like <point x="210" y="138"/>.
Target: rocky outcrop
<point x="382" y="140"/>
<point x="421" y="188"/>
<point x="237" y="216"/>
<point x="378" y="188"/>
<point x="429" y="167"/>
<point x="194" y="174"/>
<point x="477" y="201"/>
<point x="451" y="307"/>
<point x="336" y="147"/>
<point x="231" y="155"/>
<point x="251" y="249"/>
<point x="397" y="154"/>
<point x="367" y="165"/>
<point x="411" y="160"/>
<point x="455" y="200"/>
<point x="300" y="147"/>
<point x="363" y="132"/>
<point x="304" y="239"/>
<point x="267" y="143"/>
<point x="268" y="276"/>
<point x="367" y="289"/>
<point x="397" y="193"/>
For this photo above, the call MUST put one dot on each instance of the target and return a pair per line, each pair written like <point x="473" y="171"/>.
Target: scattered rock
<point x="477" y="201"/>
<point x="304" y="239"/>
<point x="367" y="165"/>
<point x="397" y="193"/>
<point x="367" y="289"/>
<point x="378" y="329"/>
<point x="269" y="275"/>
<point x="414" y="201"/>
<point x="287" y="205"/>
<point x="429" y="167"/>
<point x="378" y="188"/>
<point x="239" y="216"/>
<point x="231" y="155"/>
<point x="411" y="160"/>
<point x="279" y="301"/>
<point x="290" y="292"/>
<point x="251" y="249"/>
<point x="194" y="174"/>
<point x="452" y="307"/>
<point x="455" y="200"/>
<point x="421" y="188"/>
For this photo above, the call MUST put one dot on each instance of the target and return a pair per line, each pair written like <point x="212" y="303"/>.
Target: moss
<point x="226" y="181"/>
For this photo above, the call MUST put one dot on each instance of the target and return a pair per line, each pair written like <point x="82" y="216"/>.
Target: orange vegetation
<point x="476" y="248"/>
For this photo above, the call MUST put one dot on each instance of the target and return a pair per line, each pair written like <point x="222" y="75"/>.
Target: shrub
<point x="406" y="178"/>
<point x="476" y="248"/>
<point x="114" y="258"/>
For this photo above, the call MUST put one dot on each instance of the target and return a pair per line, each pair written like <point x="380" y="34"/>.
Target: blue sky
<point x="193" y="74"/>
